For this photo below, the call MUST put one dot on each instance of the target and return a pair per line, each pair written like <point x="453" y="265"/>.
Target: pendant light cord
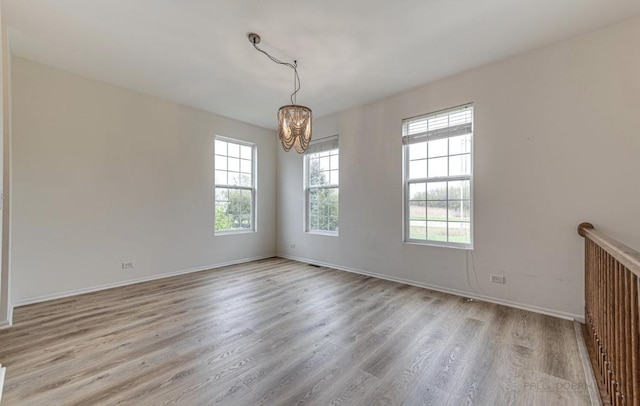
<point x="294" y="66"/>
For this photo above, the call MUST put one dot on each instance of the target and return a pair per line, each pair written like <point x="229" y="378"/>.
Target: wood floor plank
<point x="427" y="395"/>
<point x="448" y="367"/>
<point x="480" y="371"/>
<point x="280" y="332"/>
<point x="405" y="375"/>
<point x="274" y="389"/>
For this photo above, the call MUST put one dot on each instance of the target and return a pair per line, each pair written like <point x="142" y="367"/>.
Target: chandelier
<point x="294" y="120"/>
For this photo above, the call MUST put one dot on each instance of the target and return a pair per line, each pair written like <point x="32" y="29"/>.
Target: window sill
<point x="467" y="247"/>
<point x="325" y="233"/>
<point x="233" y="232"/>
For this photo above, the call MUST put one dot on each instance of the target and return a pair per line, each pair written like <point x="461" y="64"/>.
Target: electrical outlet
<point x="497" y="278"/>
<point x="128" y="265"/>
<point x="292" y="245"/>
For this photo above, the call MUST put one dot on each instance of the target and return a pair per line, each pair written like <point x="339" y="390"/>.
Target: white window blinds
<point x="443" y="124"/>
<point x="323" y="144"/>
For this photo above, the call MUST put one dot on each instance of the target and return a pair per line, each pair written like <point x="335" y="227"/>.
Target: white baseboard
<point x="75" y="292"/>
<point x="508" y="303"/>
<point x="9" y="321"/>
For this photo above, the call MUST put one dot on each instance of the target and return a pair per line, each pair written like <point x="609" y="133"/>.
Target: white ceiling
<point x="349" y="52"/>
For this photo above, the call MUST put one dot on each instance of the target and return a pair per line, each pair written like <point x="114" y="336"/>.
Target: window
<point x="438" y="183"/>
<point x="321" y="181"/>
<point x="235" y="185"/>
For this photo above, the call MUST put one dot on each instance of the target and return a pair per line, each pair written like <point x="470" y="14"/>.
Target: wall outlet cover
<point x="497" y="278"/>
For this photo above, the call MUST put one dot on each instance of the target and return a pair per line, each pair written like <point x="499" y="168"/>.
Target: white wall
<point x="557" y="142"/>
<point x="103" y="175"/>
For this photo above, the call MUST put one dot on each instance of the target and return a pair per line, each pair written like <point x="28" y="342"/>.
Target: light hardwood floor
<point x="279" y="332"/>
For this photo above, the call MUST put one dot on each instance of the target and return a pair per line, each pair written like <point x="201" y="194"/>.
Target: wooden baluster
<point x="624" y="292"/>
<point x="614" y="329"/>
<point x="635" y="338"/>
<point x="602" y="295"/>
<point x="605" y="326"/>
<point x="596" y="308"/>
<point x="602" y="309"/>
<point x="617" y="327"/>
<point x="619" y="312"/>
<point x="629" y="339"/>
<point x="603" y="319"/>
<point x="627" y="334"/>
<point x="621" y="338"/>
<point x="589" y="286"/>
<point x="594" y="303"/>
<point x="609" y="331"/>
<point x="611" y="346"/>
<point x="594" y="294"/>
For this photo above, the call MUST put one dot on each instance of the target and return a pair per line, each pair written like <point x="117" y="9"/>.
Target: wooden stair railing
<point x="612" y="275"/>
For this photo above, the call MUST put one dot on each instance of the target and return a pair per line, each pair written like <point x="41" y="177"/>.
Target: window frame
<point x="252" y="188"/>
<point x="322" y="145"/>
<point x="407" y="141"/>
